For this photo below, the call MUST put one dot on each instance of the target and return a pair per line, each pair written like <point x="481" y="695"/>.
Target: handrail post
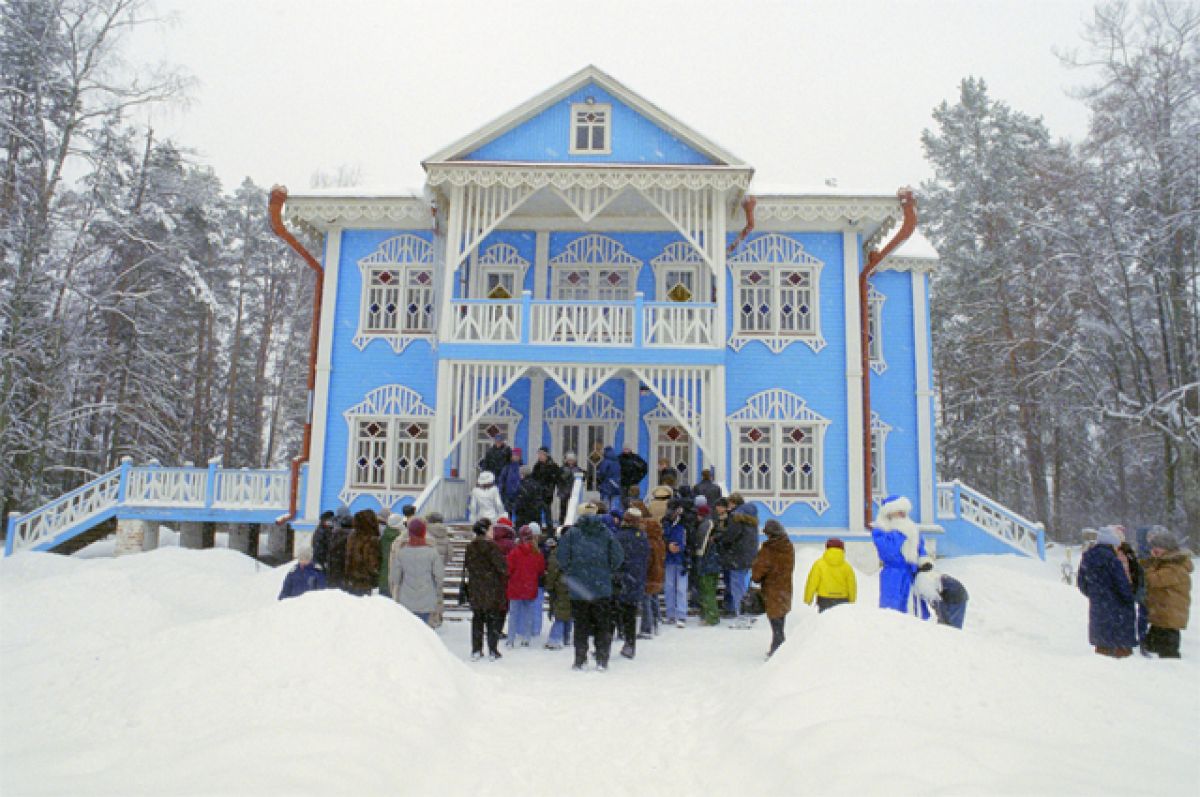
<point x="123" y="485"/>
<point x="210" y="486"/>
<point x="639" y="326"/>
<point x="1041" y="541"/>
<point x="526" y="314"/>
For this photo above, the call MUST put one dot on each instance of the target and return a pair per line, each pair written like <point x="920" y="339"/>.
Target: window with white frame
<point x="397" y="294"/>
<point x="875" y="301"/>
<point x="388" y="451"/>
<point x="776" y="294"/>
<point x="879" y="433"/>
<point x="594" y="267"/>
<point x="778" y="451"/>
<point x="501" y="273"/>
<point x="681" y="275"/>
<point x="591" y="129"/>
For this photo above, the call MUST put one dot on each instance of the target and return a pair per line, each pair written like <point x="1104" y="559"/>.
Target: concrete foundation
<point x="191" y="535"/>
<point x="239" y="537"/>
<point x="135" y="536"/>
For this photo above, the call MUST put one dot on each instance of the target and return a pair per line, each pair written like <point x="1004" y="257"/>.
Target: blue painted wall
<point x="546" y="138"/>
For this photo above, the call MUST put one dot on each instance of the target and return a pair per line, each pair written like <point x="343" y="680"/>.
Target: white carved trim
<point x="778" y="406"/>
<point x="596" y="250"/>
<point x="391" y="400"/>
<point x="826" y="208"/>
<point x="662" y="414"/>
<point x="919" y="265"/>
<point x="587" y="201"/>
<point x="762" y="253"/>
<point x="925" y="460"/>
<point x="500" y="258"/>
<point x="598" y="408"/>
<point x="474" y="390"/>
<point x="855" y="493"/>
<point x="883" y="428"/>
<point x="579" y="382"/>
<point x="693" y="213"/>
<point x="687" y="392"/>
<point x="539" y="176"/>
<point x="481" y="210"/>
<point x="875" y="300"/>
<point x="324" y="213"/>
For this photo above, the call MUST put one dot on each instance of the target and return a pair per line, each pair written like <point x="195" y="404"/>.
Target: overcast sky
<point x="802" y="90"/>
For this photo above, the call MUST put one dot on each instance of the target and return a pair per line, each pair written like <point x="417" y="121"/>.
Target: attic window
<point x="590" y="130"/>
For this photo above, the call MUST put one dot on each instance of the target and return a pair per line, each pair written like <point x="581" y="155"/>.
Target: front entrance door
<point x="671" y="443"/>
<point x="485" y="432"/>
<point x="586" y="441"/>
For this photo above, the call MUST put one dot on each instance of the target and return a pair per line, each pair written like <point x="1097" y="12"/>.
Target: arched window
<point x="779" y="451"/>
<point x="681" y="275"/>
<point x="388" y="451"/>
<point x="594" y="267"/>
<point x="777" y="297"/>
<point x="397" y="292"/>
<point x="501" y="273"/>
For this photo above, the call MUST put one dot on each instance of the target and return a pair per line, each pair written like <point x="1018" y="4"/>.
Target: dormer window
<point x="590" y="130"/>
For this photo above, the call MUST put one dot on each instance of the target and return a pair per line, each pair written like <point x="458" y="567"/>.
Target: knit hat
<point x="1107" y="535"/>
<point x="534" y="527"/>
<point x="416" y="528"/>
<point x="544" y="449"/>
<point x="525" y="533"/>
<point x="1161" y="538"/>
<point x="700" y="501"/>
<point x="895" y="503"/>
<point x="395" y="521"/>
<point x="703" y="511"/>
<point x="773" y="528"/>
<point x="487" y="479"/>
<point x="832" y="542"/>
<point x="587" y="510"/>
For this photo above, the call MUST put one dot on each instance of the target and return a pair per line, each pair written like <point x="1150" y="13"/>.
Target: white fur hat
<point x="895" y="503"/>
<point x="487" y="479"/>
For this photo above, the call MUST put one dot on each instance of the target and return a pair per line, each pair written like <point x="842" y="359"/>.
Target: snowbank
<point x="178" y="672"/>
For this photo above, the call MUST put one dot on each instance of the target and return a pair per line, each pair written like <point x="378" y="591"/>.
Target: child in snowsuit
<point x="944" y="593"/>
<point x="1168" y="573"/>
<point x="831" y="580"/>
<point x="307" y="576"/>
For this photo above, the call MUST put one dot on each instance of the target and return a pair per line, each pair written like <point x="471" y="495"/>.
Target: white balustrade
<point x="590" y="323"/>
<point x="453" y="498"/>
<point x="154" y="486"/>
<point x="679" y="324"/>
<point x="251" y="488"/>
<point x="77" y="506"/>
<point x="945" y="498"/>
<point x="993" y="518"/>
<point x="486" y="322"/>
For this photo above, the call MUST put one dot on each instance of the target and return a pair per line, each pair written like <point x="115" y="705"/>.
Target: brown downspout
<point x="748" y="205"/>
<point x="275" y="211"/>
<point x="908" y="203"/>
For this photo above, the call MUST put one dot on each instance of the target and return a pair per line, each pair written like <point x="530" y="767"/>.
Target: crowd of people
<point x="625" y="569"/>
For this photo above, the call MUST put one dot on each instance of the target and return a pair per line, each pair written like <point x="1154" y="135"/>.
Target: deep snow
<point x="177" y="672"/>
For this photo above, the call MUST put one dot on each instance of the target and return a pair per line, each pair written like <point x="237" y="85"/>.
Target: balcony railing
<point x="593" y="323"/>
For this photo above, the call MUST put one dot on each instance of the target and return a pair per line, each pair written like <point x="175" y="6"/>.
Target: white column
<point x="446" y="271"/>
<point x="633" y="415"/>
<point x="541" y="265"/>
<point x="920" y="310"/>
<point x="537" y="410"/>
<point x="854" y="398"/>
<point x="320" y="405"/>
<point x="717" y="410"/>
<point x="439" y="429"/>
<point x="719" y="270"/>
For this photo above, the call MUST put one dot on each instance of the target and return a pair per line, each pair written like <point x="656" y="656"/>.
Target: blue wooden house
<point x="587" y="270"/>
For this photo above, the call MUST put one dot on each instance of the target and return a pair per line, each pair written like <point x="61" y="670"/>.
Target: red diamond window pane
<point x="754" y="277"/>
<point x="614" y="278"/>
<point x="795" y="278"/>
<point x="754" y="435"/>
<point x="374" y="429"/>
<point x="424" y="277"/>
<point x="674" y="433"/>
<point x="798" y="435"/>
<point x="385" y="277"/>
<point x="574" y="277"/>
<point x="492" y="430"/>
<point x="414" y="430"/>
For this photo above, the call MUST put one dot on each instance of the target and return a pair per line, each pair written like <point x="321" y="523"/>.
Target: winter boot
<point x="476" y="655"/>
<point x="494" y="656"/>
<point x="628" y="650"/>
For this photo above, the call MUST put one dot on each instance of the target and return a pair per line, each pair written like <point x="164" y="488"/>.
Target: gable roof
<point x="589" y="74"/>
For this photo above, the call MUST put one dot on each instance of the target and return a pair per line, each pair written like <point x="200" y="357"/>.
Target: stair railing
<point x="47" y="522"/>
<point x="993" y="517"/>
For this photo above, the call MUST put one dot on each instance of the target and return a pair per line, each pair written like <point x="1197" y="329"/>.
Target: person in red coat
<point x="525" y="567"/>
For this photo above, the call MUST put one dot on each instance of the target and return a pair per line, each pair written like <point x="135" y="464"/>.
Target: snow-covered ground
<point x="177" y="672"/>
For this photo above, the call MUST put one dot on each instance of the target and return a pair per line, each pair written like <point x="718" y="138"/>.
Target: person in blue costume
<point x="900" y="548"/>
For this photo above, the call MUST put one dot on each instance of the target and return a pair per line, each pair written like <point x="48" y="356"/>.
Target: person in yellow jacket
<point x="831" y="579"/>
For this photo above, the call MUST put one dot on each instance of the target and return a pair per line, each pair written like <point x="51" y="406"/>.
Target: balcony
<point x="638" y="324"/>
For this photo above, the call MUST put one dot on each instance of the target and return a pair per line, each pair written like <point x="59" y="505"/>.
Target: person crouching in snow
<point x="307" y="576"/>
<point x="899" y="544"/>
<point x="772" y="568"/>
<point x="1103" y="579"/>
<point x="944" y="593"/>
<point x="1168" y="593"/>
<point x="831" y="580"/>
